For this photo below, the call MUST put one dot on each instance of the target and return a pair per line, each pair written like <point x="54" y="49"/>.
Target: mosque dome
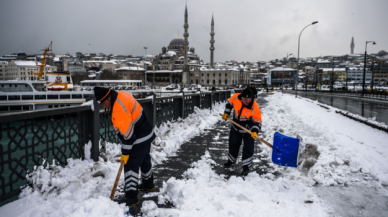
<point x="177" y="42"/>
<point x="169" y="54"/>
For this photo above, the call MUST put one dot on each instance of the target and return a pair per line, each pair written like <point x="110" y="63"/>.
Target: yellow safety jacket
<point x="248" y="116"/>
<point x="130" y="122"/>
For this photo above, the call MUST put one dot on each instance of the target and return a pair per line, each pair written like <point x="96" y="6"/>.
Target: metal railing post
<point x="94" y="131"/>
<point x="183" y="105"/>
<point x="154" y="110"/>
<point x="211" y="101"/>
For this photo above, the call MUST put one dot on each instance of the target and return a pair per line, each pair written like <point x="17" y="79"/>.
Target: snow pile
<point x="79" y="189"/>
<point x="83" y="187"/>
<point x="204" y="193"/>
<point x="89" y="103"/>
<point x="171" y="135"/>
<point x="368" y="120"/>
<point x="335" y="150"/>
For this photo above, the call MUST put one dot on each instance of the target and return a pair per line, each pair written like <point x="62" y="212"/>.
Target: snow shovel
<point x="112" y="194"/>
<point x="284" y="150"/>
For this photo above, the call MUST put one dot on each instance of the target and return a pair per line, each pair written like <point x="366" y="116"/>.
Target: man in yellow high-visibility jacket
<point x="136" y="133"/>
<point x="246" y="113"/>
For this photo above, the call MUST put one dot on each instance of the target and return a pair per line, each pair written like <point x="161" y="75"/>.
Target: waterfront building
<point x="22" y="70"/>
<point x="357" y="74"/>
<point x="131" y="73"/>
<point x="110" y="65"/>
<point x="337" y="74"/>
<point x="281" y="76"/>
<point x="175" y="62"/>
<point x="3" y="69"/>
<point x="180" y="65"/>
<point x="73" y="66"/>
<point x="324" y="63"/>
<point x="380" y="74"/>
<point x="222" y="76"/>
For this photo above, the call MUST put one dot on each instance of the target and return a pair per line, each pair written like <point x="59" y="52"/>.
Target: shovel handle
<point x="246" y="130"/>
<point x="112" y="194"/>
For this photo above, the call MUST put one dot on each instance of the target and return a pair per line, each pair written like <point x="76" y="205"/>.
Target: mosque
<point x="177" y="64"/>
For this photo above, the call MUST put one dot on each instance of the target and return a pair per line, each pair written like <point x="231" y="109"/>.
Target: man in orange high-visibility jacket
<point x="247" y="114"/>
<point x="136" y="133"/>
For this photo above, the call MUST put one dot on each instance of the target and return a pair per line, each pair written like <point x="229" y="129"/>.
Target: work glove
<point x="254" y="135"/>
<point x="124" y="158"/>
<point x="225" y="116"/>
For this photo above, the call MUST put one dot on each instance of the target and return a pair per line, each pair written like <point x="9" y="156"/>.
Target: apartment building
<point x="22" y="70"/>
<point x="3" y="69"/>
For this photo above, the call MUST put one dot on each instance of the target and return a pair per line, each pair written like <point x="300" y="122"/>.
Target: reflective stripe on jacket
<point x="130" y="122"/>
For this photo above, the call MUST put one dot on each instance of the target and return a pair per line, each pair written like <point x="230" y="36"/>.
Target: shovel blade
<point x="285" y="150"/>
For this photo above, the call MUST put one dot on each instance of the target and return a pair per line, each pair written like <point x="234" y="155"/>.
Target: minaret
<point x="186" y="43"/>
<point x="352" y="46"/>
<point x="212" y="44"/>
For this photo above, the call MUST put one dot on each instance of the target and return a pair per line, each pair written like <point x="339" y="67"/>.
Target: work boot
<point x="132" y="201"/>
<point x="132" y="210"/>
<point x="143" y="187"/>
<point x="245" y="172"/>
<point x="228" y="164"/>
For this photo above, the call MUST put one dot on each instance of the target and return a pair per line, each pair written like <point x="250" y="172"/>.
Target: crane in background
<point x="41" y="66"/>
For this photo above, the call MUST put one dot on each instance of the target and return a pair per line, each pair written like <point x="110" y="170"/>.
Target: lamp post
<point x="346" y="79"/>
<point x="145" y="51"/>
<point x="373" y="77"/>
<point x="297" y="72"/>
<point x="363" y="80"/>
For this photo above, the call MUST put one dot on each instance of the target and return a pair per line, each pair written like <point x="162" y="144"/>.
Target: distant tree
<point x="108" y="75"/>
<point x="79" y="76"/>
<point x="382" y="53"/>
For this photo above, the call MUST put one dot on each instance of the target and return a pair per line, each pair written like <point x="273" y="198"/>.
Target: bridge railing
<point x="55" y="135"/>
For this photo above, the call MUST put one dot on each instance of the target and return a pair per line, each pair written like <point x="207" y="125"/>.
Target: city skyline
<point x="244" y="30"/>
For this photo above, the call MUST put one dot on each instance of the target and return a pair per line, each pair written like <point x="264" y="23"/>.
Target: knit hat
<point x="101" y="94"/>
<point x="247" y="93"/>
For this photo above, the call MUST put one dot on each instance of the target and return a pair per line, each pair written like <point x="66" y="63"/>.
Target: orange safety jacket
<point x="247" y="116"/>
<point x="130" y="122"/>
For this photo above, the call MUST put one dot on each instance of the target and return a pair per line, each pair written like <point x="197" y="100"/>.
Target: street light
<point x="297" y="72"/>
<point x="363" y="80"/>
<point x="145" y="51"/>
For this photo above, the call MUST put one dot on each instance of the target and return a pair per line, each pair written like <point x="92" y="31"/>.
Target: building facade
<point x="3" y="69"/>
<point x="130" y="73"/>
<point x="22" y="70"/>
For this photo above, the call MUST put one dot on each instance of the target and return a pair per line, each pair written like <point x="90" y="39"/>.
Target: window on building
<point x="207" y="81"/>
<point x="214" y="82"/>
<point x="219" y="82"/>
<point x="226" y="81"/>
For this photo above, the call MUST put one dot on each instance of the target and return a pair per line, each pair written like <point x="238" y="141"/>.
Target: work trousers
<point x="235" y="139"/>
<point x="138" y="159"/>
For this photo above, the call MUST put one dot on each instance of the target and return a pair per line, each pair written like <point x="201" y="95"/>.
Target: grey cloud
<point x="245" y="30"/>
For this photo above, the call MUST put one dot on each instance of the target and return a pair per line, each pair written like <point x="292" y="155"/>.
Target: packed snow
<point x="335" y="152"/>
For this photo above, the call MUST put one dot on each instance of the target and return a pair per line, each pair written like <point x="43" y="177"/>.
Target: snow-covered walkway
<point x="343" y="171"/>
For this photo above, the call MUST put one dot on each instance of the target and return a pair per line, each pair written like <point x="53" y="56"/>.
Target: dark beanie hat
<point x="101" y="94"/>
<point x="247" y="93"/>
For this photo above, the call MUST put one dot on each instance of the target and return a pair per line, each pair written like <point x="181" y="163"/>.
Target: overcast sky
<point x="245" y="30"/>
